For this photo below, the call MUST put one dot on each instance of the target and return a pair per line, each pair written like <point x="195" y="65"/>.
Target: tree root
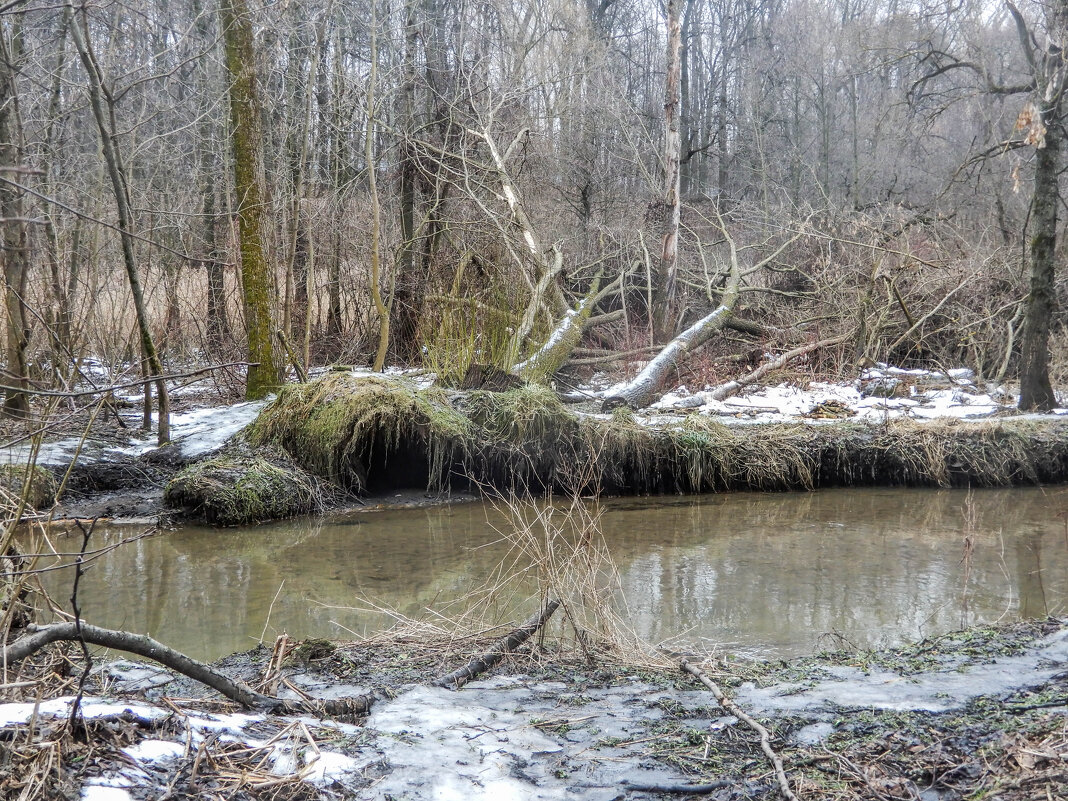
<point x="139" y="644"/>
<point x="461" y="676"/>
<point x="734" y="709"/>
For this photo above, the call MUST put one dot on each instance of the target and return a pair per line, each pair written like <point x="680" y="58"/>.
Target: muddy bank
<point x="981" y="712"/>
<point x="374" y="435"/>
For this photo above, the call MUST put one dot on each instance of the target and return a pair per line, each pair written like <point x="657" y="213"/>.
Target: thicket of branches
<point x="861" y="166"/>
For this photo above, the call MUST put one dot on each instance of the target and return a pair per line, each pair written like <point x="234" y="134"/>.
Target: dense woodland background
<point x="436" y="182"/>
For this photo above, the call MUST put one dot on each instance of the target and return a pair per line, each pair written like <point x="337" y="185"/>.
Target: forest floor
<point x="981" y="713"/>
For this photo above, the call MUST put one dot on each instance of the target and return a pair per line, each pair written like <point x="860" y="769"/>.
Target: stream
<point x="771" y="574"/>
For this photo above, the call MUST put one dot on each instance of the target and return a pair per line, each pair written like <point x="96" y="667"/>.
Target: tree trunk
<point x="16" y="404"/>
<point x="664" y="296"/>
<point x="245" y="130"/>
<point x="410" y="285"/>
<point x="1036" y="391"/>
<point x="99" y="96"/>
<point x="371" y="163"/>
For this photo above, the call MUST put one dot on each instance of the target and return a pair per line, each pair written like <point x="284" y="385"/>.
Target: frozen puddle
<point x="936" y="691"/>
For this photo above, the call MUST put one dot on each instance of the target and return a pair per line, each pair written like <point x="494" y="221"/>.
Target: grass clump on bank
<point x="378" y="434"/>
<point x="239" y="487"/>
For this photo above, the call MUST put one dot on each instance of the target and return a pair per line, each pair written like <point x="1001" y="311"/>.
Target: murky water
<point x="779" y="573"/>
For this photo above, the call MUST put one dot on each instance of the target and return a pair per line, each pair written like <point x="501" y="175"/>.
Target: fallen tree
<point x="142" y="645"/>
<point x="640" y="391"/>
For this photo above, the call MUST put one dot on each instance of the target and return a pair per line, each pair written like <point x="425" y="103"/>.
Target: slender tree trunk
<point x="665" y="285"/>
<point x="410" y="286"/>
<point x="335" y="316"/>
<point x="376" y="213"/>
<point x="218" y="322"/>
<point x="246" y="135"/>
<point x="16" y="404"/>
<point x="103" y="105"/>
<point x="1036" y="391"/>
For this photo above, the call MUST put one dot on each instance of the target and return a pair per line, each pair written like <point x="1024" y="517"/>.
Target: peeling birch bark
<point x="641" y="391"/>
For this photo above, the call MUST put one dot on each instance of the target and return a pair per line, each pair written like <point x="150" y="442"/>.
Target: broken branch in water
<point x="459" y="677"/>
<point x="734" y="709"/>
<point x="139" y="644"/>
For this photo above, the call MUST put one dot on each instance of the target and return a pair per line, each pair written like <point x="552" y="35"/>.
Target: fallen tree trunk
<point x="142" y="645"/>
<point x="556" y="350"/>
<point x="461" y="676"/>
<point x="641" y="391"/>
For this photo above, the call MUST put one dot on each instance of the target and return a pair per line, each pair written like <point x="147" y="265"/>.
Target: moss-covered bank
<point x="239" y="486"/>
<point x="374" y="434"/>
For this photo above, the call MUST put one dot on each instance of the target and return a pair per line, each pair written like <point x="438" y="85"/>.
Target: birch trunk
<point x="664" y="295"/>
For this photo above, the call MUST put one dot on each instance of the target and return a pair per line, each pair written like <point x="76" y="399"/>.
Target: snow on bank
<point x="877" y="395"/>
<point x="200" y="431"/>
<point x="287" y="748"/>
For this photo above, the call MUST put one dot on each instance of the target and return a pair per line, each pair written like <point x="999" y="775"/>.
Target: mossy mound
<point x="378" y="434"/>
<point x="39" y="484"/>
<point x="341" y="427"/>
<point x="238" y="487"/>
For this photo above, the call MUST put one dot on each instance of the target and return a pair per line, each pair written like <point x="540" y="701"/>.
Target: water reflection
<point x="744" y="570"/>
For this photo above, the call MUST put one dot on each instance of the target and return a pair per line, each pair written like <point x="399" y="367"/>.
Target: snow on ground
<point x="202" y="430"/>
<point x="878" y="394"/>
<point x="289" y="751"/>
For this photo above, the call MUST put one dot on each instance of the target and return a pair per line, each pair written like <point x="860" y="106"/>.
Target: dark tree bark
<point x="1045" y="131"/>
<point x="1036" y="391"/>
<point x="13" y="255"/>
<point x="410" y="286"/>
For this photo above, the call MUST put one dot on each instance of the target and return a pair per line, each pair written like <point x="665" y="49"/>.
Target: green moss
<point x="334" y="426"/>
<point x="352" y="430"/>
<point x="239" y="487"/>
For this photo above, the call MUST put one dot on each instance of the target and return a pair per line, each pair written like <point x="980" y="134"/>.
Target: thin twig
<point x="50" y="393"/>
<point x="734" y="709"/>
<point x="76" y="707"/>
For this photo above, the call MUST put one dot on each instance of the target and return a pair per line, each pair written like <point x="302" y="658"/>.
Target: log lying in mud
<point x="142" y="645"/>
<point x="506" y="645"/>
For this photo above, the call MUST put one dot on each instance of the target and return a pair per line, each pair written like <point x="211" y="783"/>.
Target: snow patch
<point x="200" y="431"/>
<point x="876" y="396"/>
<point x="155" y="751"/>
